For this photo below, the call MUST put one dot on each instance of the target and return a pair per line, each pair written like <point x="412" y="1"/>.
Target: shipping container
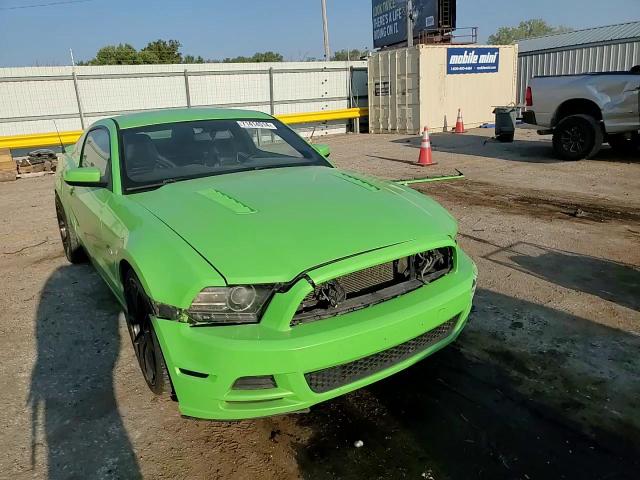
<point x="425" y="85"/>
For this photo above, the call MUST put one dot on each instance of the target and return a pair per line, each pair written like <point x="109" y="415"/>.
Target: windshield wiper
<point x="152" y="186"/>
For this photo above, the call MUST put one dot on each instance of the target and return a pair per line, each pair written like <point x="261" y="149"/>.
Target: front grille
<point x="363" y="280"/>
<point x="373" y="285"/>
<point x="330" y="378"/>
<point x="356" y="283"/>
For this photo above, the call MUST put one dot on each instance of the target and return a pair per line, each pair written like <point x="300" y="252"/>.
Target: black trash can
<point x="505" y="123"/>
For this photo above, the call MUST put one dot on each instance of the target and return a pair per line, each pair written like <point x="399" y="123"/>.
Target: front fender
<point x="170" y="270"/>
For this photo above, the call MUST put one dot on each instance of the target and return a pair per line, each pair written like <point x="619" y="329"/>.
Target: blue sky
<point x="223" y="28"/>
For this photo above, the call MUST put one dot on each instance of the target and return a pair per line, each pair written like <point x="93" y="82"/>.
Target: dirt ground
<point x="544" y="383"/>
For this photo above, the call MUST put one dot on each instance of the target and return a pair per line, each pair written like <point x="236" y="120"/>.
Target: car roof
<point x="171" y="115"/>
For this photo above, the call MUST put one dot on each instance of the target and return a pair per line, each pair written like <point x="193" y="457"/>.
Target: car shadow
<point x="612" y="281"/>
<point x="74" y="411"/>
<point x="529" y="151"/>
<point x="494" y="405"/>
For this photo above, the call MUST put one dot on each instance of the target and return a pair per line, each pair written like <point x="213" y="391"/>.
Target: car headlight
<point x="230" y="305"/>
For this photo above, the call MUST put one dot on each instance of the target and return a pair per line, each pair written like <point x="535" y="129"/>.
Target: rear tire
<point x="577" y="137"/>
<point x="625" y="144"/>
<point x="72" y="248"/>
<point x="144" y="338"/>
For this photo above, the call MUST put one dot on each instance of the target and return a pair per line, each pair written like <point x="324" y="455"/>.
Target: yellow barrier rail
<point x="39" y="139"/>
<point x="51" y="138"/>
<point x="314" y="117"/>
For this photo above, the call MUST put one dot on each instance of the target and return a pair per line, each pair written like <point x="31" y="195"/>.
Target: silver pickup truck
<point x="583" y="111"/>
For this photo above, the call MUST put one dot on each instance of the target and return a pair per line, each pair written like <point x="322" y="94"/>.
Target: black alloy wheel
<point x="577" y="137"/>
<point x="72" y="248"/>
<point x="143" y="336"/>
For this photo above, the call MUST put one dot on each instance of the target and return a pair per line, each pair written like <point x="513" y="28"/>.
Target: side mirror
<point x="83" y="177"/>
<point x="323" y="149"/>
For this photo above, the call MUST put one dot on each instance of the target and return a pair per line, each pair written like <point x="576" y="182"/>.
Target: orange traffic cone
<point x="425" y="150"/>
<point x="459" y="123"/>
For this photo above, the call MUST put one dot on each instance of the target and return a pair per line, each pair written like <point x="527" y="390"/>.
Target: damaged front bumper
<point x="292" y="368"/>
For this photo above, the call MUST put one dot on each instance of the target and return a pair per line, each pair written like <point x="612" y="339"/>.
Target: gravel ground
<point x="543" y="383"/>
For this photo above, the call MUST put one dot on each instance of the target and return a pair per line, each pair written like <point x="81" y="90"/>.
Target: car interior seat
<point x="141" y="155"/>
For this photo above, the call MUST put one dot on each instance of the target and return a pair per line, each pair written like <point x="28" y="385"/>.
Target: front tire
<point x="72" y="248"/>
<point x="577" y="137"/>
<point x="144" y="338"/>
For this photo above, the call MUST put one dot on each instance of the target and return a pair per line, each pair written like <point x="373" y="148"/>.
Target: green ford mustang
<point x="257" y="279"/>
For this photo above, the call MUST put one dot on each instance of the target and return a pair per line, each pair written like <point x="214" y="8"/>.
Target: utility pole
<point x="325" y="28"/>
<point x="409" y="24"/>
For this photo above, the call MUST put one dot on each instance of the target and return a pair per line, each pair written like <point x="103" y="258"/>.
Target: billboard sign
<point x="472" y="60"/>
<point x="390" y="22"/>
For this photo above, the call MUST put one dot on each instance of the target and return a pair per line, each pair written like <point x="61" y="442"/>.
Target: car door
<point x="631" y="101"/>
<point x="87" y="203"/>
<point x="621" y="109"/>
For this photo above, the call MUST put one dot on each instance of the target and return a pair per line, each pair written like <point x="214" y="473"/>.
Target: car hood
<point x="271" y="225"/>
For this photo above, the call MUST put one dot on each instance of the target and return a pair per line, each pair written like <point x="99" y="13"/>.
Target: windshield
<point x="158" y="154"/>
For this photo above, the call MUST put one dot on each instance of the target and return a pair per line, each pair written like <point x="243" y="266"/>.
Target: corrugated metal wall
<point x="580" y="59"/>
<point x="30" y="98"/>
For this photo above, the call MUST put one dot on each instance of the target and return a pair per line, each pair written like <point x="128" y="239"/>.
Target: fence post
<point x="272" y="108"/>
<point x="75" y="86"/>
<point x="352" y="102"/>
<point x="186" y="88"/>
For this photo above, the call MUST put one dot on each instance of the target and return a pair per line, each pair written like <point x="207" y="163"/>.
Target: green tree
<point x="159" y="51"/>
<point x="192" y="59"/>
<point x="121" y="54"/>
<point x="535" y="27"/>
<point x="148" y="57"/>
<point x="162" y="51"/>
<point x="343" y="55"/>
<point x="267" y="57"/>
<point x="257" y="57"/>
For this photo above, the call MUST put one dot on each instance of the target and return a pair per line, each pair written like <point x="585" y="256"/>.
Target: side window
<point x="96" y="152"/>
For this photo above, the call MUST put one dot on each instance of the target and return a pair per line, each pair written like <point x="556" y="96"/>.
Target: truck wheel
<point x="143" y="336"/>
<point x="72" y="248"/>
<point x="625" y="144"/>
<point x="577" y="137"/>
<point x="505" y="137"/>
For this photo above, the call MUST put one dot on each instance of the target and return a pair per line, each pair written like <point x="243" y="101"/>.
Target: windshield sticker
<point x="267" y="125"/>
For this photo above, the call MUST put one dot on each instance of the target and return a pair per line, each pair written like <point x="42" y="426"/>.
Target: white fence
<point x="31" y="98"/>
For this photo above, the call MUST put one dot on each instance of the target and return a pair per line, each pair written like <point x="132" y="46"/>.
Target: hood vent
<point x="226" y="201"/>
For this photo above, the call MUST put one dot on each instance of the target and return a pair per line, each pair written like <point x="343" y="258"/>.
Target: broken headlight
<point x="230" y="305"/>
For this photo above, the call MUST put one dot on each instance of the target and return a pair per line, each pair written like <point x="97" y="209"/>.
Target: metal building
<point x="601" y="49"/>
